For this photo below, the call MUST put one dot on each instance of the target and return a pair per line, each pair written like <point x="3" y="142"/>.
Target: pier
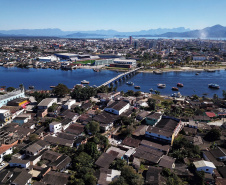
<point x="120" y="77"/>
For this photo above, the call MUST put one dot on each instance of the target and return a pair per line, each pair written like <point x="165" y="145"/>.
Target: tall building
<point x="130" y="40"/>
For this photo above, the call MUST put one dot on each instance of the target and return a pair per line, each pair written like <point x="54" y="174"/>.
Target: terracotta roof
<point x="4" y="147"/>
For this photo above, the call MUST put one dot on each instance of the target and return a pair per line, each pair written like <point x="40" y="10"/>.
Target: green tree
<point x="131" y="177"/>
<point x="118" y="164"/>
<point x="83" y="93"/>
<point x="91" y="149"/>
<point x="92" y="127"/>
<point x="213" y="135"/>
<point x="33" y="137"/>
<point x="60" y="90"/>
<point x="7" y="158"/>
<point x="224" y="94"/>
<point x="53" y="108"/>
<point x="10" y="89"/>
<point x="152" y="104"/>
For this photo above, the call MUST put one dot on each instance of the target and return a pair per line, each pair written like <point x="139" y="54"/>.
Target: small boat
<point x="175" y="89"/>
<point x="214" y="86"/>
<point x="96" y="70"/>
<point x="180" y="85"/>
<point x="157" y="72"/>
<point x="210" y="70"/>
<point x="196" y="73"/>
<point x="129" y="83"/>
<point x="84" y="82"/>
<point x="52" y="86"/>
<point x="161" y="85"/>
<point x="31" y="87"/>
<point x="137" y="87"/>
<point x="151" y="90"/>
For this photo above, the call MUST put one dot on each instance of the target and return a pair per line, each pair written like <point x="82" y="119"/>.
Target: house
<point x="117" y="107"/>
<point x="15" y="176"/>
<point x="150" y="155"/>
<point x="58" y="141"/>
<point x="36" y="147"/>
<point x="55" y="127"/>
<point x="165" y="130"/>
<point x="206" y="166"/>
<point x="56" y="178"/>
<point x="75" y="129"/>
<point x="105" y="160"/>
<point x="106" y="120"/>
<point x="107" y="176"/>
<point x="167" y="162"/>
<point x="153" y="118"/>
<point x="50" y="156"/>
<point x="142" y="115"/>
<point x="140" y="131"/>
<point x="19" y="163"/>
<point x="5" y="150"/>
<point x="129" y="141"/>
<point x="153" y="176"/>
<point x="68" y="104"/>
<point x="117" y="152"/>
<point x="70" y="115"/>
<point x="209" y="157"/>
<point x="5" y="116"/>
<point x="211" y="115"/>
<point x="22" y="118"/>
<point x="46" y="103"/>
<point x="61" y="164"/>
<point x="163" y="148"/>
<point x="219" y="153"/>
<point x="222" y="171"/>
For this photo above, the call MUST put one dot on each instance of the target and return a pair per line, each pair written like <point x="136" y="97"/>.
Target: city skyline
<point x="123" y="16"/>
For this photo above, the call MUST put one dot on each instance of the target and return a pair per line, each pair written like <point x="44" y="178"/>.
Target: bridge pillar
<point x="116" y="81"/>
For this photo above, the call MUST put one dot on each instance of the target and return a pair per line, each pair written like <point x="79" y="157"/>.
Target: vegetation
<point x="39" y="96"/>
<point x="182" y="148"/>
<point x="53" y="108"/>
<point x="83" y="93"/>
<point x="33" y="137"/>
<point x="10" y="89"/>
<point x="172" y="178"/>
<point x="213" y="135"/>
<point x="7" y="158"/>
<point x="92" y="127"/>
<point x="60" y="90"/>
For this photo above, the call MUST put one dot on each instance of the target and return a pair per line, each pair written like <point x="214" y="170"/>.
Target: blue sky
<point x="120" y="15"/>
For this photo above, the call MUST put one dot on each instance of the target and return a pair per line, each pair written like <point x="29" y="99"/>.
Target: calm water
<point x="44" y="78"/>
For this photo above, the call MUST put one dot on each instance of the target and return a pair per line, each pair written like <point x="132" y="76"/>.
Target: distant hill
<point x="216" y="31"/>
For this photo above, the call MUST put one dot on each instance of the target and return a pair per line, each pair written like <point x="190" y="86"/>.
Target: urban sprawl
<point x="96" y="135"/>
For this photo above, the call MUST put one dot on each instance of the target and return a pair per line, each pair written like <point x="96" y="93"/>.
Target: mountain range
<point x="216" y="31"/>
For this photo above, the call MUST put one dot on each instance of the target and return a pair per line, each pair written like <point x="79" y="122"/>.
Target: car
<point x="2" y="164"/>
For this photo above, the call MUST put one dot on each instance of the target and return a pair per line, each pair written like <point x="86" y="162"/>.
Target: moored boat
<point x="161" y="85"/>
<point x="31" y="87"/>
<point x="157" y="72"/>
<point x="175" y="89"/>
<point x="137" y="87"/>
<point x="52" y="86"/>
<point x="84" y="82"/>
<point x="214" y="86"/>
<point x="129" y="83"/>
<point x="180" y="85"/>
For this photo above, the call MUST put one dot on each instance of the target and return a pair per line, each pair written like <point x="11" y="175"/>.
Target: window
<point x="207" y="169"/>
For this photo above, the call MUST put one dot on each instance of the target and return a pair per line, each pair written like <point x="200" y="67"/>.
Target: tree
<point x="92" y="127"/>
<point x="33" y="137"/>
<point x="10" y="89"/>
<point x="131" y="177"/>
<point x="61" y="90"/>
<point x="118" y="164"/>
<point x="213" y="135"/>
<point x="152" y="104"/>
<point x="224" y="94"/>
<point x="83" y="93"/>
<point x="53" y="107"/>
<point x="91" y="149"/>
<point x="7" y="158"/>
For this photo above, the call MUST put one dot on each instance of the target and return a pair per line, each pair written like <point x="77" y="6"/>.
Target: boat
<point x="151" y="90"/>
<point x="161" y="85"/>
<point x="214" y="86"/>
<point x="175" y="89"/>
<point x="129" y="83"/>
<point x="137" y="87"/>
<point x="176" y="95"/>
<point x="210" y="70"/>
<point x="31" y="87"/>
<point x="157" y="72"/>
<point x="52" y="86"/>
<point x="84" y="82"/>
<point x="196" y="73"/>
<point x="96" y="70"/>
<point x="180" y="85"/>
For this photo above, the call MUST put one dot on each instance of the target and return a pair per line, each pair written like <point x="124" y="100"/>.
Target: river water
<point x="42" y="79"/>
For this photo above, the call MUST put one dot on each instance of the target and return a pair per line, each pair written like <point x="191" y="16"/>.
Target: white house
<point x="46" y="103"/>
<point x="117" y="107"/>
<point x="5" y="116"/>
<point x="5" y="150"/>
<point x="19" y="163"/>
<point x="206" y="166"/>
<point x="55" y="127"/>
<point x="68" y="104"/>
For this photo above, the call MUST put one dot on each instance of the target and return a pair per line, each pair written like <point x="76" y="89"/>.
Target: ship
<point x="129" y="83"/>
<point x="214" y="86"/>
<point x="84" y="82"/>
<point x="137" y="87"/>
<point x="161" y="85"/>
<point x="157" y="72"/>
<point x="180" y="85"/>
<point x="175" y="89"/>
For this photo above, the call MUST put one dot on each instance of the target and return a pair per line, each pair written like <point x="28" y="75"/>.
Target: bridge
<point x="120" y="77"/>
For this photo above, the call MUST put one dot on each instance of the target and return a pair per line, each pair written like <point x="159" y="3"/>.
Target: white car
<point x="1" y="165"/>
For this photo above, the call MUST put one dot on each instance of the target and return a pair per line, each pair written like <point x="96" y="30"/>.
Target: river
<point x="42" y="79"/>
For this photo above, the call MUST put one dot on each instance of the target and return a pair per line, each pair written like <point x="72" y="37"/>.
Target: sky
<point x="120" y="15"/>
